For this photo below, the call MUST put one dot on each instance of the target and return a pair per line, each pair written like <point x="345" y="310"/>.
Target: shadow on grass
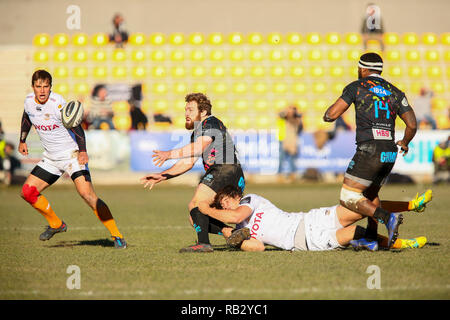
<point x="226" y="248"/>
<point x="98" y="242"/>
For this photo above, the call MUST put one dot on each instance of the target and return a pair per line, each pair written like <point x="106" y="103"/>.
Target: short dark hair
<point x="203" y="102"/>
<point x="41" y="75"/>
<point x="372" y="57"/>
<point x="228" y="191"/>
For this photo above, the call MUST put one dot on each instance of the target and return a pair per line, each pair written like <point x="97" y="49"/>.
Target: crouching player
<point x="259" y="223"/>
<point x="64" y="151"/>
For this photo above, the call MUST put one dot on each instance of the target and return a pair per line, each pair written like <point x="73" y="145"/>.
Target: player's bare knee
<point x="351" y="198"/>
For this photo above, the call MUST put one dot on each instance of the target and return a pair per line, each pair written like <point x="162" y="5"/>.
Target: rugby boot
<point x="414" y="243"/>
<point x="419" y="203"/>
<point x="119" y="243"/>
<point x="237" y="237"/>
<point x="395" y="220"/>
<point x="364" y="244"/>
<point x="50" y="232"/>
<point x="198" y="247"/>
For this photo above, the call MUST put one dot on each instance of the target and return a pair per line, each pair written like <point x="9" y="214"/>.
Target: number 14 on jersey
<point x="380" y="105"/>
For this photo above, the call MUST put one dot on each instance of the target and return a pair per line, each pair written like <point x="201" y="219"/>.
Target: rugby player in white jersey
<point x="259" y="223"/>
<point x="64" y="151"/>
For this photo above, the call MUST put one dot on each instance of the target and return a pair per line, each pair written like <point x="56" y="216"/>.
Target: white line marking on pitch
<point x="190" y="292"/>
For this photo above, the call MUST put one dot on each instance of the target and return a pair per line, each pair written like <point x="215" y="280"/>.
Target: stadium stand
<point x="249" y="77"/>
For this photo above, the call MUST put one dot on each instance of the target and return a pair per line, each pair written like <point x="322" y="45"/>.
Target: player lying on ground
<point x="210" y="140"/>
<point x="65" y="151"/>
<point x="259" y="222"/>
<point x="377" y="104"/>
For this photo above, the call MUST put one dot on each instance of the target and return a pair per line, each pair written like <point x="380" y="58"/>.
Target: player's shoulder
<point x="354" y="84"/>
<point x="250" y="198"/>
<point x="398" y="96"/>
<point x="29" y="101"/>
<point x="29" y="97"/>
<point x="211" y="121"/>
<point x="56" y="97"/>
<point x="57" y="100"/>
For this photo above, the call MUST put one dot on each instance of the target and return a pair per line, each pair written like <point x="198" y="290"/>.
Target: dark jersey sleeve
<point x="208" y="128"/>
<point x="251" y="201"/>
<point x="80" y="138"/>
<point x="349" y="93"/>
<point x="403" y="104"/>
<point x="25" y="127"/>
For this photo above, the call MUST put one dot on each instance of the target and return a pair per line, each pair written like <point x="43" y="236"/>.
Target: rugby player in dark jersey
<point x="210" y="140"/>
<point x="377" y="104"/>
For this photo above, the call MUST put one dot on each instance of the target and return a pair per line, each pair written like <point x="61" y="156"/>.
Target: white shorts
<point x="320" y="229"/>
<point x="57" y="167"/>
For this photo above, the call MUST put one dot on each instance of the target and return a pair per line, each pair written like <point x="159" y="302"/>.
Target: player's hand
<point x="23" y="148"/>
<point x="403" y="146"/>
<point x="83" y="158"/>
<point x="152" y="179"/>
<point x="159" y="157"/>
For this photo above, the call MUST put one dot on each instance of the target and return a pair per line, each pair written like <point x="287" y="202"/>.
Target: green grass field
<point x="155" y="224"/>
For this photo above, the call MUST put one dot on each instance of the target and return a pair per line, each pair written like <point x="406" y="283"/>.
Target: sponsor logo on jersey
<point x="245" y="200"/>
<point x="380" y="91"/>
<point x="46" y="128"/>
<point x="351" y="164"/>
<point x="388" y="157"/>
<point x="47" y="116"/>
<point x="208" y="177"/>
<point x="255" y="226"/>
<point x="380" y="134"/>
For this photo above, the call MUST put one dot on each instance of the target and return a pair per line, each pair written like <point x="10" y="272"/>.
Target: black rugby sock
<point x="216" y="226"/>
<point x="201" y="224"/>
<point x="360" y="232"/>
<point x="381" y="215"/>
<point x="371" y="229"/>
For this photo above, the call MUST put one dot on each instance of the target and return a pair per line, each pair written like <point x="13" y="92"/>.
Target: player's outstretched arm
<point x="226" y="216"/>
<point x="335" y="110"/>
<point x="25" y="127"/>
<point x="177" y="169"/>
<point x="80" y="139"/>
<point x="194" y="149"/>
<point x="409" y="118"/>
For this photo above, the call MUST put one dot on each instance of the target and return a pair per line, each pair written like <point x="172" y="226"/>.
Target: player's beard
<point x="191" y="124"/>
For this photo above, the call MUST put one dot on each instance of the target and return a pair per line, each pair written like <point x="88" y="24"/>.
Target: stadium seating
<point x="249" y="77"/>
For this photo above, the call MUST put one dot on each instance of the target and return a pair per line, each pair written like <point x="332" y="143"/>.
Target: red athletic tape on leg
<point x="30" y="193"/>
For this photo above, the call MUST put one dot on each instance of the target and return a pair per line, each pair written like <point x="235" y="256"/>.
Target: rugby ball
<point x="72" y="114"/>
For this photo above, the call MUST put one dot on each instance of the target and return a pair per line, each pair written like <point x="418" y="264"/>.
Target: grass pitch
<point x="155" y="225"/>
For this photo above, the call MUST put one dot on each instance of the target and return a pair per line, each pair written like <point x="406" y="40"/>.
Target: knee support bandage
<point x="30" y="193"/>
<point x="350" y="198"/>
